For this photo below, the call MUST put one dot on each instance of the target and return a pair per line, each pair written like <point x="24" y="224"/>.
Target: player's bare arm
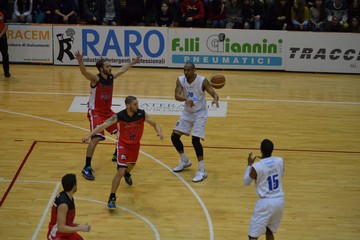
<point x="179" y="96"/>
<point x="61" y="221"/>
<point x="155" y="125"/>
<point x="88" y="75"/>
<point x="210" y="90"/>
<point x="126" y="67"/>
<point x="111" y="120"/>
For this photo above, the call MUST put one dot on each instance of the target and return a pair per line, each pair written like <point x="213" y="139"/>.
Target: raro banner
<point x="119" y="44"/>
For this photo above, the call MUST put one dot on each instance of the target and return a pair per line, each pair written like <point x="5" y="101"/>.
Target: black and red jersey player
<point x="131" y="127"/>
<point x="100" y="102"/>
<point x="63" y="213"/>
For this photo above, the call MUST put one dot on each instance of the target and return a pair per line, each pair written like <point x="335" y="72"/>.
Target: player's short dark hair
<point x="100" y="63"/>
<point x="68" y="181"/>
<point x="191" y="64"/>
<point x="129" y="99"/>
<point x="267" y="147"/>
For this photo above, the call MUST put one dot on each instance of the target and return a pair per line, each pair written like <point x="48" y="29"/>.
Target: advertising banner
<point x="323" y="52"/>
<point x="227" y="48"/>
<point x="151" y="106"/>
<point x="119" y="44"/>
<point x="30" y="43"/>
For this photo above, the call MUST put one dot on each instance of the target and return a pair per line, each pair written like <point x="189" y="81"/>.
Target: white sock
<point x="201" y="166"/>
<point x="183" y="157"/>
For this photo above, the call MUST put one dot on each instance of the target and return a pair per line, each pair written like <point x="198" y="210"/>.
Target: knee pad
<point x="175" y="138"/>
<point x="197" y="146"/>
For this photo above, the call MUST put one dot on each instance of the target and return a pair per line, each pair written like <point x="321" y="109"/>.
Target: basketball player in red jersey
<point x="131" y="121"/>
<point x="62" y="224"/>
<point x="99" y="105"/>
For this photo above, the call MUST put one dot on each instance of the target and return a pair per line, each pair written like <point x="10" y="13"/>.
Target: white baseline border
<point x="228" y="98"/>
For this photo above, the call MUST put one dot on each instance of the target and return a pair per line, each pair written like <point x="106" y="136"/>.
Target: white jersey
<point x="195" y="92"/>
<point x="270" y="172"/>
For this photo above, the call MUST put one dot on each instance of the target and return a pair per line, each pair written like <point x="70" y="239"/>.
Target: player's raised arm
<point x="155" y="125"/>
<point x="210" y="90"/>
<point x="126" y="67"/>
<point x="111" y="120"/>
<point x="88" y="75"/>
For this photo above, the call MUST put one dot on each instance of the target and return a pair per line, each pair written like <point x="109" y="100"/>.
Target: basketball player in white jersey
<point x="190" y="89"/>
<point x="268" y="174"/>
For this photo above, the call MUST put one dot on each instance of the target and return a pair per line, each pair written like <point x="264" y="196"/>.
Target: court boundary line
<point x="45" y="212"/>
<point x="228" y="98"/>
<point x="17" y="173"/>
<point x="224" y="147"/>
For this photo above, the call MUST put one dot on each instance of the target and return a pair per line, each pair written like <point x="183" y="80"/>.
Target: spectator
<point x="280" y="16"/>
<point x="300" y="16"/>
<point x="65" y="12"/>
<point x="354" y="9"/>
<point x="132" y="12"/>
<point x="22" y="11"/>
<point x="355" y="26"/>
<point x="151" y="9"/>
<point x="318" y="16"/>
<point x="217" y="14"/>
<point x="246" y="14"/>
<point x="337" y="16"/>
<point x="92" y="12"/>
<point x="110" y="12"/>
<point x="39" y="13"/>
<point x="257" y="14"/>
<point x="174" y="6"/>
<point x="233" y="14"/>
<point x="193" y="14"/>
<point x="4" y="5"/>
<point x="164" y="17"/>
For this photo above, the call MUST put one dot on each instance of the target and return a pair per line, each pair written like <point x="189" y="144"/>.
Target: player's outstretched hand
<point x="85" y="139"/>
<point x="78" y="55"/>
<point x="85" y="228"/>
<point x="137" y="59"/>
<point x="161" y="136"/>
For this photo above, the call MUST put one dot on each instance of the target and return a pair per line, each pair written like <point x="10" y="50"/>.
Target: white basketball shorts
<point x="267" y="213"/>
<point x="194" y="121"/>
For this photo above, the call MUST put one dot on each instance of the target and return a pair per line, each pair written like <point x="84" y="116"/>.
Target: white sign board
<point x="323" y="52"/>
<point x="151" y="106"/>
<point x="30" y="43"/>
<point x="227" y="48"/>
<point x="119" y="44"/>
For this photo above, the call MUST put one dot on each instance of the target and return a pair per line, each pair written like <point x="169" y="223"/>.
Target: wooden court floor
<point x="313" y="119"/>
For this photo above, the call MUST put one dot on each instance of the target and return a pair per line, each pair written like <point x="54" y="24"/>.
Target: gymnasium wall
<point x="172" y="47"/>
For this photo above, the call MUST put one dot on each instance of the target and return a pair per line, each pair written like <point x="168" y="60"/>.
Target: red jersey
<point x="100" y="100"/>
<point x="61" y="198"/>
<point x="3" y="20"/>
<point x="131" y="128"/>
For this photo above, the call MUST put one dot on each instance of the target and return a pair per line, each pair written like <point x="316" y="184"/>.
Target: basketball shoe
<point x="128" y="179"/>
<point x="111" y="203"/>
<point x="182" y="165"/>
<point x="200" y="175"/>
<point x="87" y="173"/>
<point x="114" y="158"/>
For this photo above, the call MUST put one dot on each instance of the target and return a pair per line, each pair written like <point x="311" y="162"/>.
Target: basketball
<point x="217" y="81"/>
